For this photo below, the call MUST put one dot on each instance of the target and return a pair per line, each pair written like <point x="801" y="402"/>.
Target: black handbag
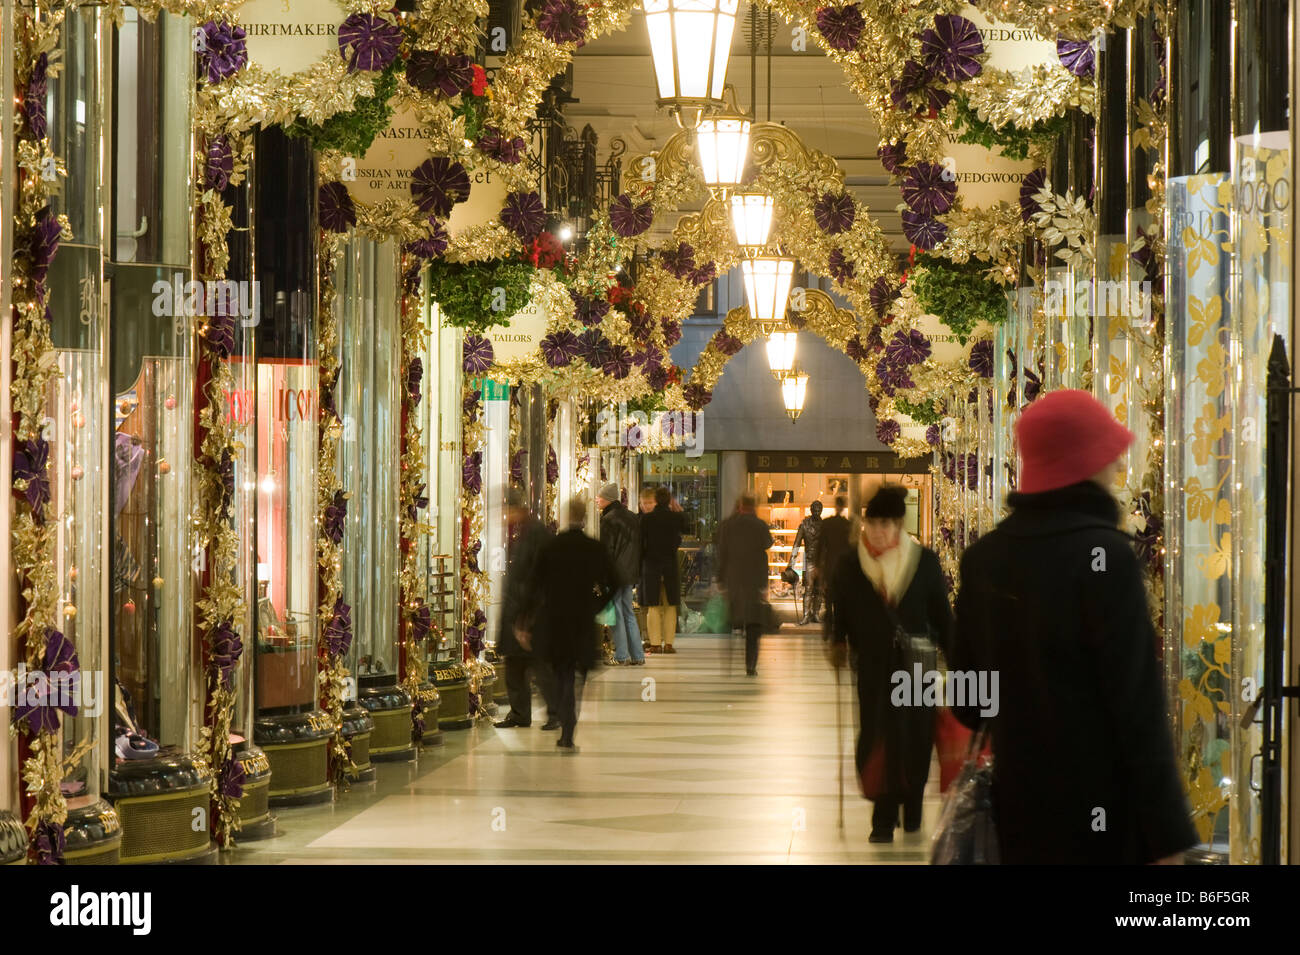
<point x="966" y="834"/>
<point x="790" y="576"/>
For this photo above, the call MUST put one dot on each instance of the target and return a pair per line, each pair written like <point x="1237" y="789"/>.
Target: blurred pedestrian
<point x="572" y="581"/>
<point x="661" y="536"/>
<point x="743" y="542"/>
<point x="620" y="532"/>
<point x="834" y="543"/>
<point x="889" y="582"/>
<point x="809" y="535"/>
<point x="1053" y="601"/>
<point x="526" y="538"/>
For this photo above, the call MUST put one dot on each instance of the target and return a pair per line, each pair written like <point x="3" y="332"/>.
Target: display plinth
<point x="432" y="700"/>
<point x="487" y="686"/>
<point x="93" y="835"/>
<point x="452" y="682"/>
<point x="297" y="746"/>
<point x="358" y="728"/>
<point x="254" y="812"/>
<point x="500" y="695"/>
<point x="157" y="801"/>
<point x="390" y="707"/>
<point x="13" y="839"/>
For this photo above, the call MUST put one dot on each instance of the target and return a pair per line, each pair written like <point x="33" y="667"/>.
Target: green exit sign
<point x="493" y="390"/>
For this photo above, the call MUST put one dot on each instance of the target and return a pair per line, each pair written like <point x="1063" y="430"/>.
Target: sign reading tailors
<point x="835" y="462"/>
<point x="291" y="35"/>
<point x="521" y="338"/>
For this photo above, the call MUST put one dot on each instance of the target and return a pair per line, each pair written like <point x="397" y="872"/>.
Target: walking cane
<point x="839" y="742"/>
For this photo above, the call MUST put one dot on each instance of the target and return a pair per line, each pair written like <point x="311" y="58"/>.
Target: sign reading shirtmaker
<point x="522" y="338"/>
<point x="291" y="35"/>
<point x="835" y="462"/>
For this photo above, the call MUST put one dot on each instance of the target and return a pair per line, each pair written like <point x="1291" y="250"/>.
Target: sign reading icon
<point x="291" y="35"/>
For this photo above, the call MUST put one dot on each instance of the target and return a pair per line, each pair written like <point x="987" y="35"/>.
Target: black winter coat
<point x="620" y="532"/>
<point x="572" y="581"/>
<point x="661" y="535"/>
<point x="530" y="539"/>
<point x="743" y="541"/>
<point x="860" y="618"/>
<point x="1053" y="599"/>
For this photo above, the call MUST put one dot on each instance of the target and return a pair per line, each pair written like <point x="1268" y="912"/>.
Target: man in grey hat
<point x="527" y="538"/>
<point x="620" y="532"/>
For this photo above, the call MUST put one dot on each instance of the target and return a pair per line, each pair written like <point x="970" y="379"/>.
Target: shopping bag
<point x="607" y="616"/>
<point x="966" y="834"/>
<point x="871" y="779"/>
<point x="951" y="743"/>
<point x="716" y="615"/>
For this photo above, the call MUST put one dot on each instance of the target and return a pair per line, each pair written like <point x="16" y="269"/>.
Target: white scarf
<point x="891" y="573"/>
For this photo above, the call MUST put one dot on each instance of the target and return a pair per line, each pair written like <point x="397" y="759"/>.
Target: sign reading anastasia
<point x="291" y="35"/>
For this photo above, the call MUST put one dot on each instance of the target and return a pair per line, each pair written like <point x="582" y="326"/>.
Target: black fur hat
<point x="889" y="502"/>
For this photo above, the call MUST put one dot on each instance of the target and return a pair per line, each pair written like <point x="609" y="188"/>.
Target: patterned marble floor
<point x="701" y="765"/>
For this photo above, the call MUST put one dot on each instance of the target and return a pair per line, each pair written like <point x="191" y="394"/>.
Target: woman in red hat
<point x="1053" y="600"/>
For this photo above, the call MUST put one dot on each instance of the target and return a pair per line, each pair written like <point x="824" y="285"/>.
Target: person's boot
<point x="551" y="724"/>
<point x="510" y="721"/>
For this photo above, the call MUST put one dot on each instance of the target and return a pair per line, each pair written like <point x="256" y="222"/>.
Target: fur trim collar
<point x="891" y="573"/>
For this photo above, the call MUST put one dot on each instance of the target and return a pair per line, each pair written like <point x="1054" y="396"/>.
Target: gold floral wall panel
<point x="1198" y="415"/>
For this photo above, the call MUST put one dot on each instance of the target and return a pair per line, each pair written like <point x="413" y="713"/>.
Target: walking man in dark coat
<point x="834" y="543"/>
<point x="572" y="582"/>
<point x="620" y="532"/>
<point x="527" y="537"/>
<point x="661" y="536"/>
<point x="1054" y="601"/>
<point x="743" y="542"/>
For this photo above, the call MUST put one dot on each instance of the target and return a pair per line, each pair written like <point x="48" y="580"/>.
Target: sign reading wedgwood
<point x="290" y="35"/>
<point x="1010" y="47"/>
<point x="984" y="176"/>
<point x="522" y="337"/>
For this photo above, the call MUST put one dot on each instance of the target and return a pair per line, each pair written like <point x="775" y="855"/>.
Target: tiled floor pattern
<point x="703" y="765"/>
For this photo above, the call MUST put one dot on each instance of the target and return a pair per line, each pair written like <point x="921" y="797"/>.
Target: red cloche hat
<point x="1066" y="437"/>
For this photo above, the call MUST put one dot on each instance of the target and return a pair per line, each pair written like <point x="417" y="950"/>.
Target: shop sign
<point x="290" y="35"/>
<point x="521" y="337"/>
<point x="984" y="176"/>
<point x="1010" y="47"/>
<point x="835" y="462"/>
<point x="945" y="346"/>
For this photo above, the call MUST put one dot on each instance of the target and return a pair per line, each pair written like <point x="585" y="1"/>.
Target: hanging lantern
<point x="722" y="147"/>
<point x="767" y="281"/>
<point x="794" y="388"/>
<point x="751" y="220"/>
<point x="780" y="352"/>
<point x="690" y="41"/>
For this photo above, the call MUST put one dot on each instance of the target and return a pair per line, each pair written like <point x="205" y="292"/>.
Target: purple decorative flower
<point x="226" y="649"/>
<point x="437" y="184"/>
<point x="220" y="334"/>
<point x="928" y="189"/>
<point x="231" y="780"/>
<point x="1146" y="257"/>
<point x="562" y="21"/>
<point x="507" y="149"/>
<point x="49" y="842"/>
<point x="34" y="97"/>
<point x="559" y="348"/>
<point x="627" y="219"/>
<point x="517" y="461"/>
<point x="414" y="376"/>
<point x="421" y="623"/>
<point x="338" y="632"/>
<point x="657" y="377"/>
<point x="334" y="207"/>
<point x="678" y="262"/>
<point x="219" y="164"/>
<point x="649" y="358"/>
<point x="726" y="342"/>
<point x="888" y="431"/>
<point x="672" y="331"/>
<point x="474" y="641"/>
<point x="476" y="355"/>
<point x="1077" y="56"/>
<point x="372" y="40"/>
<point x="641" y="325"/>
<point x="592" y="347"/>
<point x="471" y="472"/>
<point x="697" y="396"/>
<point x="432" y="245"/>
<point x="1030" y="186"/>
<point x="981" y="358"/>
<point x="44" y="243"/>
<point x="30" y="463"/>
<point x="893" y="377"/>
<point x="841" y="269"/>
<point x="855" y="349"/>
<point x="471" y="554"/>
<point x="908" y="348"/>
<point x="922" y="230"/>
<point x="419" y="502"/>
<point x="882" y="295"/>
<point x="417" y="719"/>
<point x="932" y="436"/>
<point x="222" y="50"/>
<point x="834" y="213"/>
<point x="336" y="514"/>
<point x="444" y="74"/>
<point x="840" y="27"/>
<point x="875" y="338"/>
<point x="552" y="466"/>
<point x="469" y="407"/>
<point x="892" y="156"/>
<point x="618" y="361"/>
<point x="589" y="311"/>
<point x="53" y="688"/>
<point x="524" y="215"/>
<point x="704" y="274"/>
<point x="952" y="48"/>
<point x="915" y="76"/>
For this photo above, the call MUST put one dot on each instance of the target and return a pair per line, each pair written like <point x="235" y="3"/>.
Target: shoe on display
<point x="508" y="722"/>
<point x="551" y="725"/>
<point x="136" y="746"/>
